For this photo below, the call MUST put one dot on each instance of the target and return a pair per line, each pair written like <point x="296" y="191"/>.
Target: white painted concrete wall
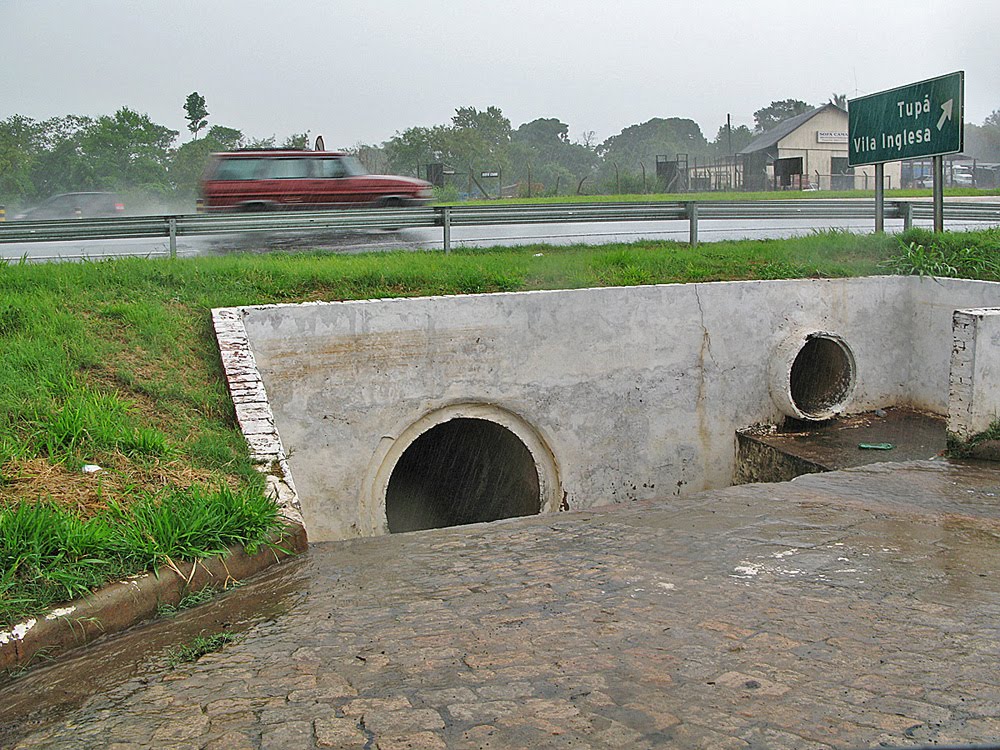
<point x="637" y="392"/>
<point x="974" y="399"/>
<point x="927" y="329"/>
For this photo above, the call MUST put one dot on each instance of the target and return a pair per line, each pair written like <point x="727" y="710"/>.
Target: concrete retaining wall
<point x="634" y="392"/>
<point x="975" y="372"/>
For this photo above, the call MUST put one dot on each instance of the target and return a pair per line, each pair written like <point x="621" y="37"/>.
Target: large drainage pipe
<point x="458" y="465"/>
<point x="459" y="472"/>
<point x="813" y="375"/>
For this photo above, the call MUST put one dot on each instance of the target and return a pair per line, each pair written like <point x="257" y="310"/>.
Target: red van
<point x="285" y="179"/>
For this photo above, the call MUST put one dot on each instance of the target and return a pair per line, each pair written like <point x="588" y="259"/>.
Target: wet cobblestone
<point x="822" y="613"/>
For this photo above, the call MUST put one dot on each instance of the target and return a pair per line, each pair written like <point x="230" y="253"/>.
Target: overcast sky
<point x="361" y="70"/>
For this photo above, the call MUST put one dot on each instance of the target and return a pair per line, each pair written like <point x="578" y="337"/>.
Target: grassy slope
<point x="115" y="363"/>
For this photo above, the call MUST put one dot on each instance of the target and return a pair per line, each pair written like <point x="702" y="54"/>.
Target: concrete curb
<point x="120" y="605"/>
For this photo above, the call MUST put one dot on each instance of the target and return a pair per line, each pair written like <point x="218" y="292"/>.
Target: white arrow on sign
<point x="946" y="109"/>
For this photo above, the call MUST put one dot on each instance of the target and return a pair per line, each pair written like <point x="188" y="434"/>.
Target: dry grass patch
<point x="87" y="494"/>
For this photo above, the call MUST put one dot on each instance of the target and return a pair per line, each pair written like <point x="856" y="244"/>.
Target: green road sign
<point x="911" y="122"/>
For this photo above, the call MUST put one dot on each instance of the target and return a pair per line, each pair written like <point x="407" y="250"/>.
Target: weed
<point x="198" y="647"/>
<point x="89" y="421"/>
<point x="958" y="448"/>
<point x="42" y="655"/>
<point x="192" y="599"/>
<point x="49" y="555"/>
<point x="966" y="255"/>
<point x="917" y="260"/>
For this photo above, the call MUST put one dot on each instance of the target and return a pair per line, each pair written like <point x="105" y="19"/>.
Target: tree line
<point x="129" y="153"/>
<point x="125" y="152"/>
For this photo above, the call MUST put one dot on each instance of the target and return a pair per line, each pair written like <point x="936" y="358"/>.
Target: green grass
<point x="115" y="363"/>
<point x="968" y="448"/>
<point x="189" y="600"/>
<point x="969" y="255"/>
<point x="49" y="554"/>
<point x="729" y="196"/>
<point x="198" y="647"/>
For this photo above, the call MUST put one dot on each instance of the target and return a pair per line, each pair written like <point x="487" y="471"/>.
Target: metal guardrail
<point x="446" y="217"/>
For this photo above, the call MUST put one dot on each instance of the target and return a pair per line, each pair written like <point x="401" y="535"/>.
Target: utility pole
<point x="732" y="156"/>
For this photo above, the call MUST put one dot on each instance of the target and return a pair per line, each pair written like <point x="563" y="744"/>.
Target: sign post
<point x="498" y="174"/>
<point x="879" y="198"/>
<point x="910" y="122"/>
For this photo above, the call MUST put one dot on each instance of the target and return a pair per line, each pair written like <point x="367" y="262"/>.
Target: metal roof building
<point x="808" y="151"/>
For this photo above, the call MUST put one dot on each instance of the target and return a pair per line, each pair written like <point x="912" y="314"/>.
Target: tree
<point x="546" y="133"/>
<point x="474" y="140"/>
<point x="408" y="151"/>
<point x="741" y="135"/>
<point x="982" y="142"/>
<point x="658" y="136"/>
<point x="839" y="100"/>
<point x="373" y="158"/>
<point x="225" y="139"/>
<point x="60" y="167"/>
<point x="259" y="143"/>
<point x="635" y="149"/>
<point x="478" y="139"/>
<point x="298" y="141"/>
<point x="190" y="158"/>
<point x="541" y="149"/>
<point x="20" y="147"/>
<point x="126" y="150"/>
<point x="194" y="106"/>
<point x="767" y="117"/>
<point x="491" y="125"/>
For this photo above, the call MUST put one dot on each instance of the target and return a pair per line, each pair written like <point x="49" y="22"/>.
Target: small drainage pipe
<point x="813" y="375"/>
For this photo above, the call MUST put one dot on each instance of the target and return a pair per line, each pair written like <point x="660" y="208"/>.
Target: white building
<point x="809" y="151"/>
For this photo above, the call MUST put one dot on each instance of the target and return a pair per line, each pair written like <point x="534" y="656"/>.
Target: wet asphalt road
<point x="843" y="610"/>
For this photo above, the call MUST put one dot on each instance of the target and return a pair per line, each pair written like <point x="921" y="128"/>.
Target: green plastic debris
<point x="876" y="446"/>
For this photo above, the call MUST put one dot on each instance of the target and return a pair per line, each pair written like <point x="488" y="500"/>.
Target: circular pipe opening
<point x="822" y="376"/>
<point x="816" y="376"/>
<point x="462" y="471"/>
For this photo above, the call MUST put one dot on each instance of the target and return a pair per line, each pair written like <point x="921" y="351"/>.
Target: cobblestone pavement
<point x="839" y="610"/>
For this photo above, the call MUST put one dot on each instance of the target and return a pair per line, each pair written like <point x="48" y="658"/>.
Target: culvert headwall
<point x="629" y="393"/>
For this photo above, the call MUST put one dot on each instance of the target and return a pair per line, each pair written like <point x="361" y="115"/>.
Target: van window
<point x="352" y="167"/>
<point x="331" y="168"/>
<point x="237" y="169"/>
<point x="288" y="169"/>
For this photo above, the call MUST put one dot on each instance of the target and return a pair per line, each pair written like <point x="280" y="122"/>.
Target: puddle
<point x="802" y="448"/>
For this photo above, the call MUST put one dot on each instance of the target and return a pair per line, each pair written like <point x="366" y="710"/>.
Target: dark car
<point x="75" y="206"/>
<point x="284" y="179"/>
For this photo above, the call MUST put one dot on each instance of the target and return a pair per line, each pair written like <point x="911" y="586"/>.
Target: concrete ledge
<point x="121" y="605"/>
